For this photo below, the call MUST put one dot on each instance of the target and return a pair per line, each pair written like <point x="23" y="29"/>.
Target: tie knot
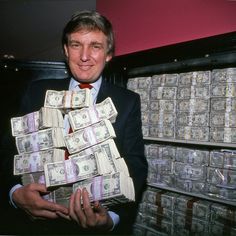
<point x="85" y="85"/>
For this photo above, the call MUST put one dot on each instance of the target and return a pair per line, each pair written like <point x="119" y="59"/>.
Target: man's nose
<point x="85" y="53"/>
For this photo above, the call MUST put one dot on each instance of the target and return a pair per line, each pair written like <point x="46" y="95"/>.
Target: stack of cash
<point x="160" y="160"/>
<point x="68" y="99"/>
<point x="223" y="105"/>
<point x="168" y="213"/>
<point x="223" y="220"/>
<point x="35" y="121"/>
<point x="193" y="106"/>
<point x="223" y="180"/>
<point x="192" y="215"/>
<point x="111" y="189"/>
<point x="38" y="138"/>
<point x="190" y="169"/>
<point x="163" y="95"/>
<point x="93" y="156"/>
<point x="141" y="85"/>
<point x="90" y="115"/>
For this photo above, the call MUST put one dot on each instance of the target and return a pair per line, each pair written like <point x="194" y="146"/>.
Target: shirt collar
<point x="74" y="84"/>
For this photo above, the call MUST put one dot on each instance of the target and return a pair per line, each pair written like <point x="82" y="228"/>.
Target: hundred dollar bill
<point x="71" y="170"/>
<point x="36" y="177"/>
<point x="223" y="104"/>
<point x="193" y="105"/>
<point x="226" y="119"/>
<point x="225" y="159"/>
<point x="195" y="78"/>
<point x="117" y="164"/>
<point x="165" y="80"/>
<point x="190" y="172"/>
<point x="225" y="75"/>
<point x="34" y="162"/>
<point x="67" y="99"/>
<point x="192" y="133"/>
<point x="221" y="177"/>
<point x="192" y="156"/>
<point x="40" y="140"/>
<point x="138" y="83"/>
<point x="219" y="192"/>
<point x="223" y="214"/>
<point x="84" y="117"/>
<point x="194" y="92"/>
<point x="164" y="93"/>
<point x="223" y="90"/>
<point x="187" y="225"/>
<point x="216" y="228"/>
<point x="62" y="195"/>
<point x="187" y="185"/>
<point x="192" y="119"/>
<point x="89" y="136"/>
<point x="163" y="105"/>
<point x="153" y="151"/>
<point x="162" y="131"/>
<point x="108" y="186"/>
<point x="144" y="94"/>
<point x="221" y="134"/>
<point x="162" y="118"/>
<point x="32" y="122"/>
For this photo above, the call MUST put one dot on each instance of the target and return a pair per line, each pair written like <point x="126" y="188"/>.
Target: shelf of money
<point x="189" y="128"/>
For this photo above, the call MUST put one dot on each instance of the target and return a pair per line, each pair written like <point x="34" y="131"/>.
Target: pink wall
<point x="146" y="24"/>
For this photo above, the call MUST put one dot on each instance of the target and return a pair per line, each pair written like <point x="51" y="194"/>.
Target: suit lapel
<point x="102" y="94"/>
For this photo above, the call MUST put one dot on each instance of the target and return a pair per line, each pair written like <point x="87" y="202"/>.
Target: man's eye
<point x="97" y="46"/>
<point x="74" y="45"/>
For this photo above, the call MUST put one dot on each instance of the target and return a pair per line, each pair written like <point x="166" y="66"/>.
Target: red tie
<point x="84" y="85"/>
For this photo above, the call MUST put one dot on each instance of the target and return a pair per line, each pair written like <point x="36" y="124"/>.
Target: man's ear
<point x="108" y="58"/>
<point x="65" y="50"/>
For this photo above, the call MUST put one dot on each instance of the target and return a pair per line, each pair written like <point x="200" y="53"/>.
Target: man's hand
<point x="29" y="198"/>
<point x="87" y="216"/>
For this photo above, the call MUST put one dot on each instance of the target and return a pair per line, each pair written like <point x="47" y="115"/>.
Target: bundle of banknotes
<point x="168" y="213"/>
<point x="195" y="105"/>
<point x="94" y="161"/>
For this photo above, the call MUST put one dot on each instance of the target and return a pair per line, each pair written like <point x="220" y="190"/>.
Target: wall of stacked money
<point x="188" y="117"/>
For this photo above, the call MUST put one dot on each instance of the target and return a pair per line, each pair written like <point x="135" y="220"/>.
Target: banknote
<point x="163" y="105"/>
<point x="89" y="136"/>
<point x="81" y="118"/>
<point x="225" y="159"/>
<point x="192" y="156"/>
<point x="226" y="119"/>
<point x="190" y="172"/>
<point x="192" y="119"/>
<point x="194" y="92"/>
<point x="195" y="78"/>
<point x="223" y="90"/>
<point x="70" y="171"/>
<point x="164" y="93"/>
<point x="224" y="75"/>
<point x="108" y="186"/>
<point x="168" y="80"/>
<point x="223" y="104"/>
<point x="67" y="99"/>
<point x="40" y="140"/>
<point x="34" y="162"/>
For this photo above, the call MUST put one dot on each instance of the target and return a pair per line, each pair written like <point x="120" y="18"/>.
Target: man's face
<point x="87" y="54"/>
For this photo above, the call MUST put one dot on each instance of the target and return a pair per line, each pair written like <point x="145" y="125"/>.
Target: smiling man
<point x="88" y="44"/>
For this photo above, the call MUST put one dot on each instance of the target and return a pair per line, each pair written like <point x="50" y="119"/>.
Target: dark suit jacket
<point x="128" y="139"/>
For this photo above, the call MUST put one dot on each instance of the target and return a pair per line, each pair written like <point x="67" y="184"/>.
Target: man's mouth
<point x="85" y="67"/>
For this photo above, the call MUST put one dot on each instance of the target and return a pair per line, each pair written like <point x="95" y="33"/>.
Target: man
<point x="88" y="44"/>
